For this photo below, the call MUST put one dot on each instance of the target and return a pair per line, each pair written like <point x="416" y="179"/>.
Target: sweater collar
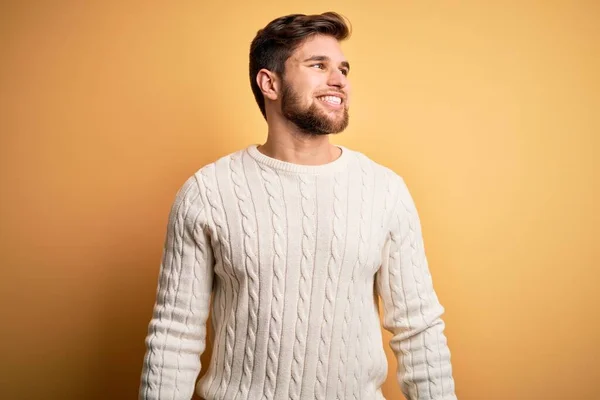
<point x="284" y="166"/>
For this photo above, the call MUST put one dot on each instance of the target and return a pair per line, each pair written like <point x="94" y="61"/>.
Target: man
<point x="293" y="240"/>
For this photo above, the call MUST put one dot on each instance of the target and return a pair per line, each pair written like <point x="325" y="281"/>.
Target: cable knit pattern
<point x="176" y="331"/>
<point x="362" y="263"/>
<point x="352" y="309"/>
<point x="333" y="271"/>
<point x="381" y="369"/>
<point x="306" y="270"/>
<point x="293" y="251"/>
<point x="215" y="201"/>
<point x="273" y="188"/>
<point x="369" y="363"/>
<point x="248" y="216"/>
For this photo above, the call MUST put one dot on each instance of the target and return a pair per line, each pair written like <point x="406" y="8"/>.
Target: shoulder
<point x="204" y="180"/>
<point x="397" y="190"/>
<point x="377" y="168"/>
<point x="207" y="175"/>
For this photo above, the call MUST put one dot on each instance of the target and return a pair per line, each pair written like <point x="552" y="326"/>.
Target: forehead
<point x="319" y="45"/>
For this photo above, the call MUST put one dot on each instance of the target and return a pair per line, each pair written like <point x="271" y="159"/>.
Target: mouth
<point x="332" y="100"/>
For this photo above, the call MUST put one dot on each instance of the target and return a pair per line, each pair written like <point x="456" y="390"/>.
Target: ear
<point x="268" y="84"/>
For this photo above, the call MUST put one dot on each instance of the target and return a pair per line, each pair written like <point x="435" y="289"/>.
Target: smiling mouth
<point x="333" y="100"/>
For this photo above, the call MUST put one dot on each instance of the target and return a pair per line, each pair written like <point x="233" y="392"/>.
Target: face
<point x="315" y="89"/>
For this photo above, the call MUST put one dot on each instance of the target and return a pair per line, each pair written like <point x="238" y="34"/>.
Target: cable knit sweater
<point x="294" y="258"/>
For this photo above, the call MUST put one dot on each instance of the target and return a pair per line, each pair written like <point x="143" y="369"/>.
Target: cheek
<point x="307" y="86"/>
<point x="304" y="88"/>
<point x="348" y="95"/>
<point x="315" y="82"/>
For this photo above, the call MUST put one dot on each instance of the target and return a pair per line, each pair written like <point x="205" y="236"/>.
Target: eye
<point x="318" y="65"/>
<point x="344" y="71"/>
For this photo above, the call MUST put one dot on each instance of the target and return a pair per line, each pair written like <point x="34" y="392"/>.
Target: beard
<point x="312" y="120"/>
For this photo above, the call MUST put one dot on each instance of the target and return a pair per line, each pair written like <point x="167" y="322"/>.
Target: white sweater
<point x="294" y="258"/>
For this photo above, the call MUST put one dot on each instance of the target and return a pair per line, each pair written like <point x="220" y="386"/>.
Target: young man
<point x="294" y="240"/>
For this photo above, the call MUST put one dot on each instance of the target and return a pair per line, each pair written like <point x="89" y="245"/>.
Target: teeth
<point x="332" y="99"/>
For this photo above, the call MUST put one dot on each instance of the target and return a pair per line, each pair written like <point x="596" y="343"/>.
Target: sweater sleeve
<point x="412" y="312"/>
<point x="177" y="330"/>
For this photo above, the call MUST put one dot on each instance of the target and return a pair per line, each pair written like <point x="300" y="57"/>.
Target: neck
<point x="299" y="148"/>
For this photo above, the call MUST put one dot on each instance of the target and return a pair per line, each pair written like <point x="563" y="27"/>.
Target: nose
<point x="337" y="79"/>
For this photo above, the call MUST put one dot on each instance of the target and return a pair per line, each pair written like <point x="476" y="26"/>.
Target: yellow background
<point x="489" y="111"/>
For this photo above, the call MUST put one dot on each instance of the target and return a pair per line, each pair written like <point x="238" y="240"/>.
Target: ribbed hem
<point x="337" y="165"/>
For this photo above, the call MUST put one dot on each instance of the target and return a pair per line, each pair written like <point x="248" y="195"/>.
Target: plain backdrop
<point x="489" y="110"/>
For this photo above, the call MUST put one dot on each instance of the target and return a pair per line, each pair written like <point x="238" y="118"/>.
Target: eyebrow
<point x="345" y="64"/>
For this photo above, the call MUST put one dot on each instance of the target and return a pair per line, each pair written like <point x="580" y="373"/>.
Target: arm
<point x="412" y="312"/>
<point x="177" y="331"/>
